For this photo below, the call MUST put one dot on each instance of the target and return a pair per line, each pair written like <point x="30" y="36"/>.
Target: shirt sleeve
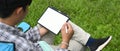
<point x="22" y="44"/>
<point x="33" y="34"/>
<point x="26" y="45"/>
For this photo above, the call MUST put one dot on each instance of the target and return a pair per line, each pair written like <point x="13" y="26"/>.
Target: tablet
<point x="53" y="20"/>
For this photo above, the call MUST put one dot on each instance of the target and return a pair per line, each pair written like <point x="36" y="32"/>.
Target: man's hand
<point x="66" y="36"/>
<point x="43" y="31"/>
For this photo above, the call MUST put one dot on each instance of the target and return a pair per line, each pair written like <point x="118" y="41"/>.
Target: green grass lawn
<point x="100" y="18"/>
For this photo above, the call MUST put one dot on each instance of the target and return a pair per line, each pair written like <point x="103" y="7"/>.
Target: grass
<point x="100" y="18"/>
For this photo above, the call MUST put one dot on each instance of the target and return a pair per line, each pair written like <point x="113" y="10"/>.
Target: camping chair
<point x="23" y="26"/>
<point x="7" y="46"/>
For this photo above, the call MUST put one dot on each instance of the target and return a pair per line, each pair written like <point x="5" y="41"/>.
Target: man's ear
<point x="19" y="10"/>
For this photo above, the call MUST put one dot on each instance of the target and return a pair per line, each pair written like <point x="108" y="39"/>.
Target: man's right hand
<point x="66" y="36"/>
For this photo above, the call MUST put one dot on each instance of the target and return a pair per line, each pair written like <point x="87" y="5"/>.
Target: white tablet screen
<point x="52" y="20"/>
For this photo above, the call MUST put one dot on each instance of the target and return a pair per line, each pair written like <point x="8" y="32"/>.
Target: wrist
<point x="67" y="41"/>
<point x="64" y="45"/>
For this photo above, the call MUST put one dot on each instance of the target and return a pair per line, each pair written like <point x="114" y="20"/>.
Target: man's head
<point x="7" y="7"/>
<point x="16" y="8"/>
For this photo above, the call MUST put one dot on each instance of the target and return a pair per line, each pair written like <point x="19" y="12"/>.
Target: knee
<point x="75" y="46"/>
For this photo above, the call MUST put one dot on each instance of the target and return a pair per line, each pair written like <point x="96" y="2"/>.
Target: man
<point x="14" y="11"/>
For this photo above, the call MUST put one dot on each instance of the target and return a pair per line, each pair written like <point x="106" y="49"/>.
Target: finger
<point x="63" y="27"/>
<point x="69" y="25"/>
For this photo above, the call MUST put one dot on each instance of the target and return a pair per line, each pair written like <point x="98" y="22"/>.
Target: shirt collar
<point x="5" y="27"/>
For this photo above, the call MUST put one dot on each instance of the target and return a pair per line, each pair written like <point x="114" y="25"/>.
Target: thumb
<point x="63" y="27"/>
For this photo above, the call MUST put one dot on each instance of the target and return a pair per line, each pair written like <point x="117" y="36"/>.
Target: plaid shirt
<point x="23" y="41"/>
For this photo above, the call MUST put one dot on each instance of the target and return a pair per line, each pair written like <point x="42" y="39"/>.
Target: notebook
<point x="53" y="20"/>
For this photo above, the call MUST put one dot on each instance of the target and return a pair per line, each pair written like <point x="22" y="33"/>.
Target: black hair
<point x="7" y="7"/>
